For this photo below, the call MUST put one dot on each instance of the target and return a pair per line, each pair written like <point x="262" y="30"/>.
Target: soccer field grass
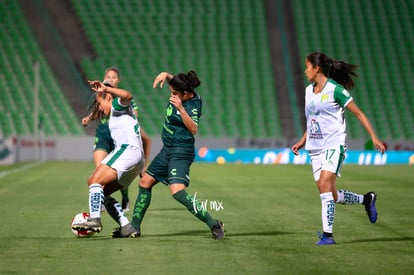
<point x="271" y="214"/>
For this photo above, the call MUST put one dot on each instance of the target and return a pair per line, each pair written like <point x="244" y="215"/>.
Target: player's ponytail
<point x="185" y="82"/>
<point x="340" y="71"/>
<point x="195" y="82"/>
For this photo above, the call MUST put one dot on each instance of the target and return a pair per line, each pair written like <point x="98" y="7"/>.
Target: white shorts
<point x="330" y="160"/>
<point x="128" y="162"/>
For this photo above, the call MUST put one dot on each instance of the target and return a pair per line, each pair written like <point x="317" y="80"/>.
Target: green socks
<point x="194" y="207"/>
<point x="141" y="205"/>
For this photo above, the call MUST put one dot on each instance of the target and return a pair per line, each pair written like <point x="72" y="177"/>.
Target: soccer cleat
<point x="127" y="231"/>
<point x="218" y="231"/>
<point x="92" y="224"/>
<point x="325" y="240"/>
<point x="370" y="199"/>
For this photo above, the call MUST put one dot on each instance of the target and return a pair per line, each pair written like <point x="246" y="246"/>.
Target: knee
<point x="146" y="181"/>
<point x="90" y="180"/>
<point x="93" y="179"/>
<point x="176" y="187"/>
<point x="324" y="185"/>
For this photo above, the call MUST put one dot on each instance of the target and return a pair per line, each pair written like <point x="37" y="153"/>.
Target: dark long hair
<point x="338" y="70"/>
<point x="185" y="82"/>
<point x="93" y="106"/>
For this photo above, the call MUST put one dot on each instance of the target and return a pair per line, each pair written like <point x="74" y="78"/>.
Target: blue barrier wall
<point x="285" y="156"/>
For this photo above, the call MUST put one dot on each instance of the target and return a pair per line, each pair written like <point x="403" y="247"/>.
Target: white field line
<point x="27" y="166"/>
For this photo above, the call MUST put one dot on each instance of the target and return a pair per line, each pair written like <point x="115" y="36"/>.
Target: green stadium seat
<point x="374" y="35"/>
<point x="204" y="40"/>
<point x="19" y="51"/>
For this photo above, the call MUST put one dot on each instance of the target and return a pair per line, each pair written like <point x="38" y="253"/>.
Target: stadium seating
<point x="224" y="42"/>
<point x="19" y="52"/>
<point x="376" y="35"/>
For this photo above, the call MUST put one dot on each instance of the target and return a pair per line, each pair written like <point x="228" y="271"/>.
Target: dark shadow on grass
<point x="185" y="233"/>
<point x="167" y="209"/>
<point x="263" y="233"/>
<point x="228" y="235"/>
<point x="181" y="233"/>
<point x="51" y="238"/>
<point x="400" y="239"/>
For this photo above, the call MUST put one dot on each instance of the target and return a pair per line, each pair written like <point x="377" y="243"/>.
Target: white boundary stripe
<point x="27" y="166"/>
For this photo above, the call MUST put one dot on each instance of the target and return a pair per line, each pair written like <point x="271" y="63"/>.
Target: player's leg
<point x="100" y="152"/>
<point x="326" y="167"/>
<point x="98" y="156"/>
<point x="102" y="175"/>
<point x="125" y="199"/>
<point x="125" y="229"/>
<point x="128" y="169"/>
<point x="103" y="145"/>
<point x="156" y="172"/>
<point x="178" y="181"/>
<point x="143" y="200"/>
<point x="326" y="186"/>
<point x="348" y="197"/>
<point x="194" y="206"/>
<point x="368" y="200"/>
<point x="112" y="205"/>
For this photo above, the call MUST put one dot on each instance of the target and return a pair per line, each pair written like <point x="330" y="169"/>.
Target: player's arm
<point x="353" y="107"/>
<point x="189" y="123"/>
<point x="161" y="78"/>
<point x="296" y="147"/>
<point x="124" y="95"/>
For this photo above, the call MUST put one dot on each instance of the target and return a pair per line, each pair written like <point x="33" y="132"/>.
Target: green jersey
<point x="174" y="132"/>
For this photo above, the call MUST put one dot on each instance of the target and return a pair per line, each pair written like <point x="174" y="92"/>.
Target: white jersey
<point x="325" y="120"/>
<point x="124" y="126"/>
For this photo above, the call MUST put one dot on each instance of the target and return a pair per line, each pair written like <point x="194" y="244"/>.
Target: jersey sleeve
<point x="194" y="110"/>
<point x="342" y="96"/>
<point x="134" y="104"/>
<point x="117" y="105"/>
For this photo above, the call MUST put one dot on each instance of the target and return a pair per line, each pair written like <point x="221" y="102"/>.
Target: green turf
<point x="271" y="214"/>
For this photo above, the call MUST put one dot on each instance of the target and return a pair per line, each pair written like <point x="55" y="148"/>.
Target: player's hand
<point x="296" y="147"/>
<point x="160" y="79"/>
<point x="378" y="145"/>
<point x="85" y="121"/>
<point x="176" y="101"/>
<point x="97" y="86"/>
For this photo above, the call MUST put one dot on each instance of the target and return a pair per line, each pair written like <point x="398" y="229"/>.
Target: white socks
<point x="122" y="219"/>
<point x="96" y="198"/>
<point x="115" y="211"/>
<point x="328" y="211"/>
<point x="347" y="197"/>
<point x="328" y="206"/>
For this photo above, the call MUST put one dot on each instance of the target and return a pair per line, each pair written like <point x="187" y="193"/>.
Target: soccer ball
<point x="79" y="218"/>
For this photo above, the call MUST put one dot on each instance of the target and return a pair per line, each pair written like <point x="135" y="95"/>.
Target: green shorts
<point x="172" y="165"/>
<point x="103" y="139"/>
